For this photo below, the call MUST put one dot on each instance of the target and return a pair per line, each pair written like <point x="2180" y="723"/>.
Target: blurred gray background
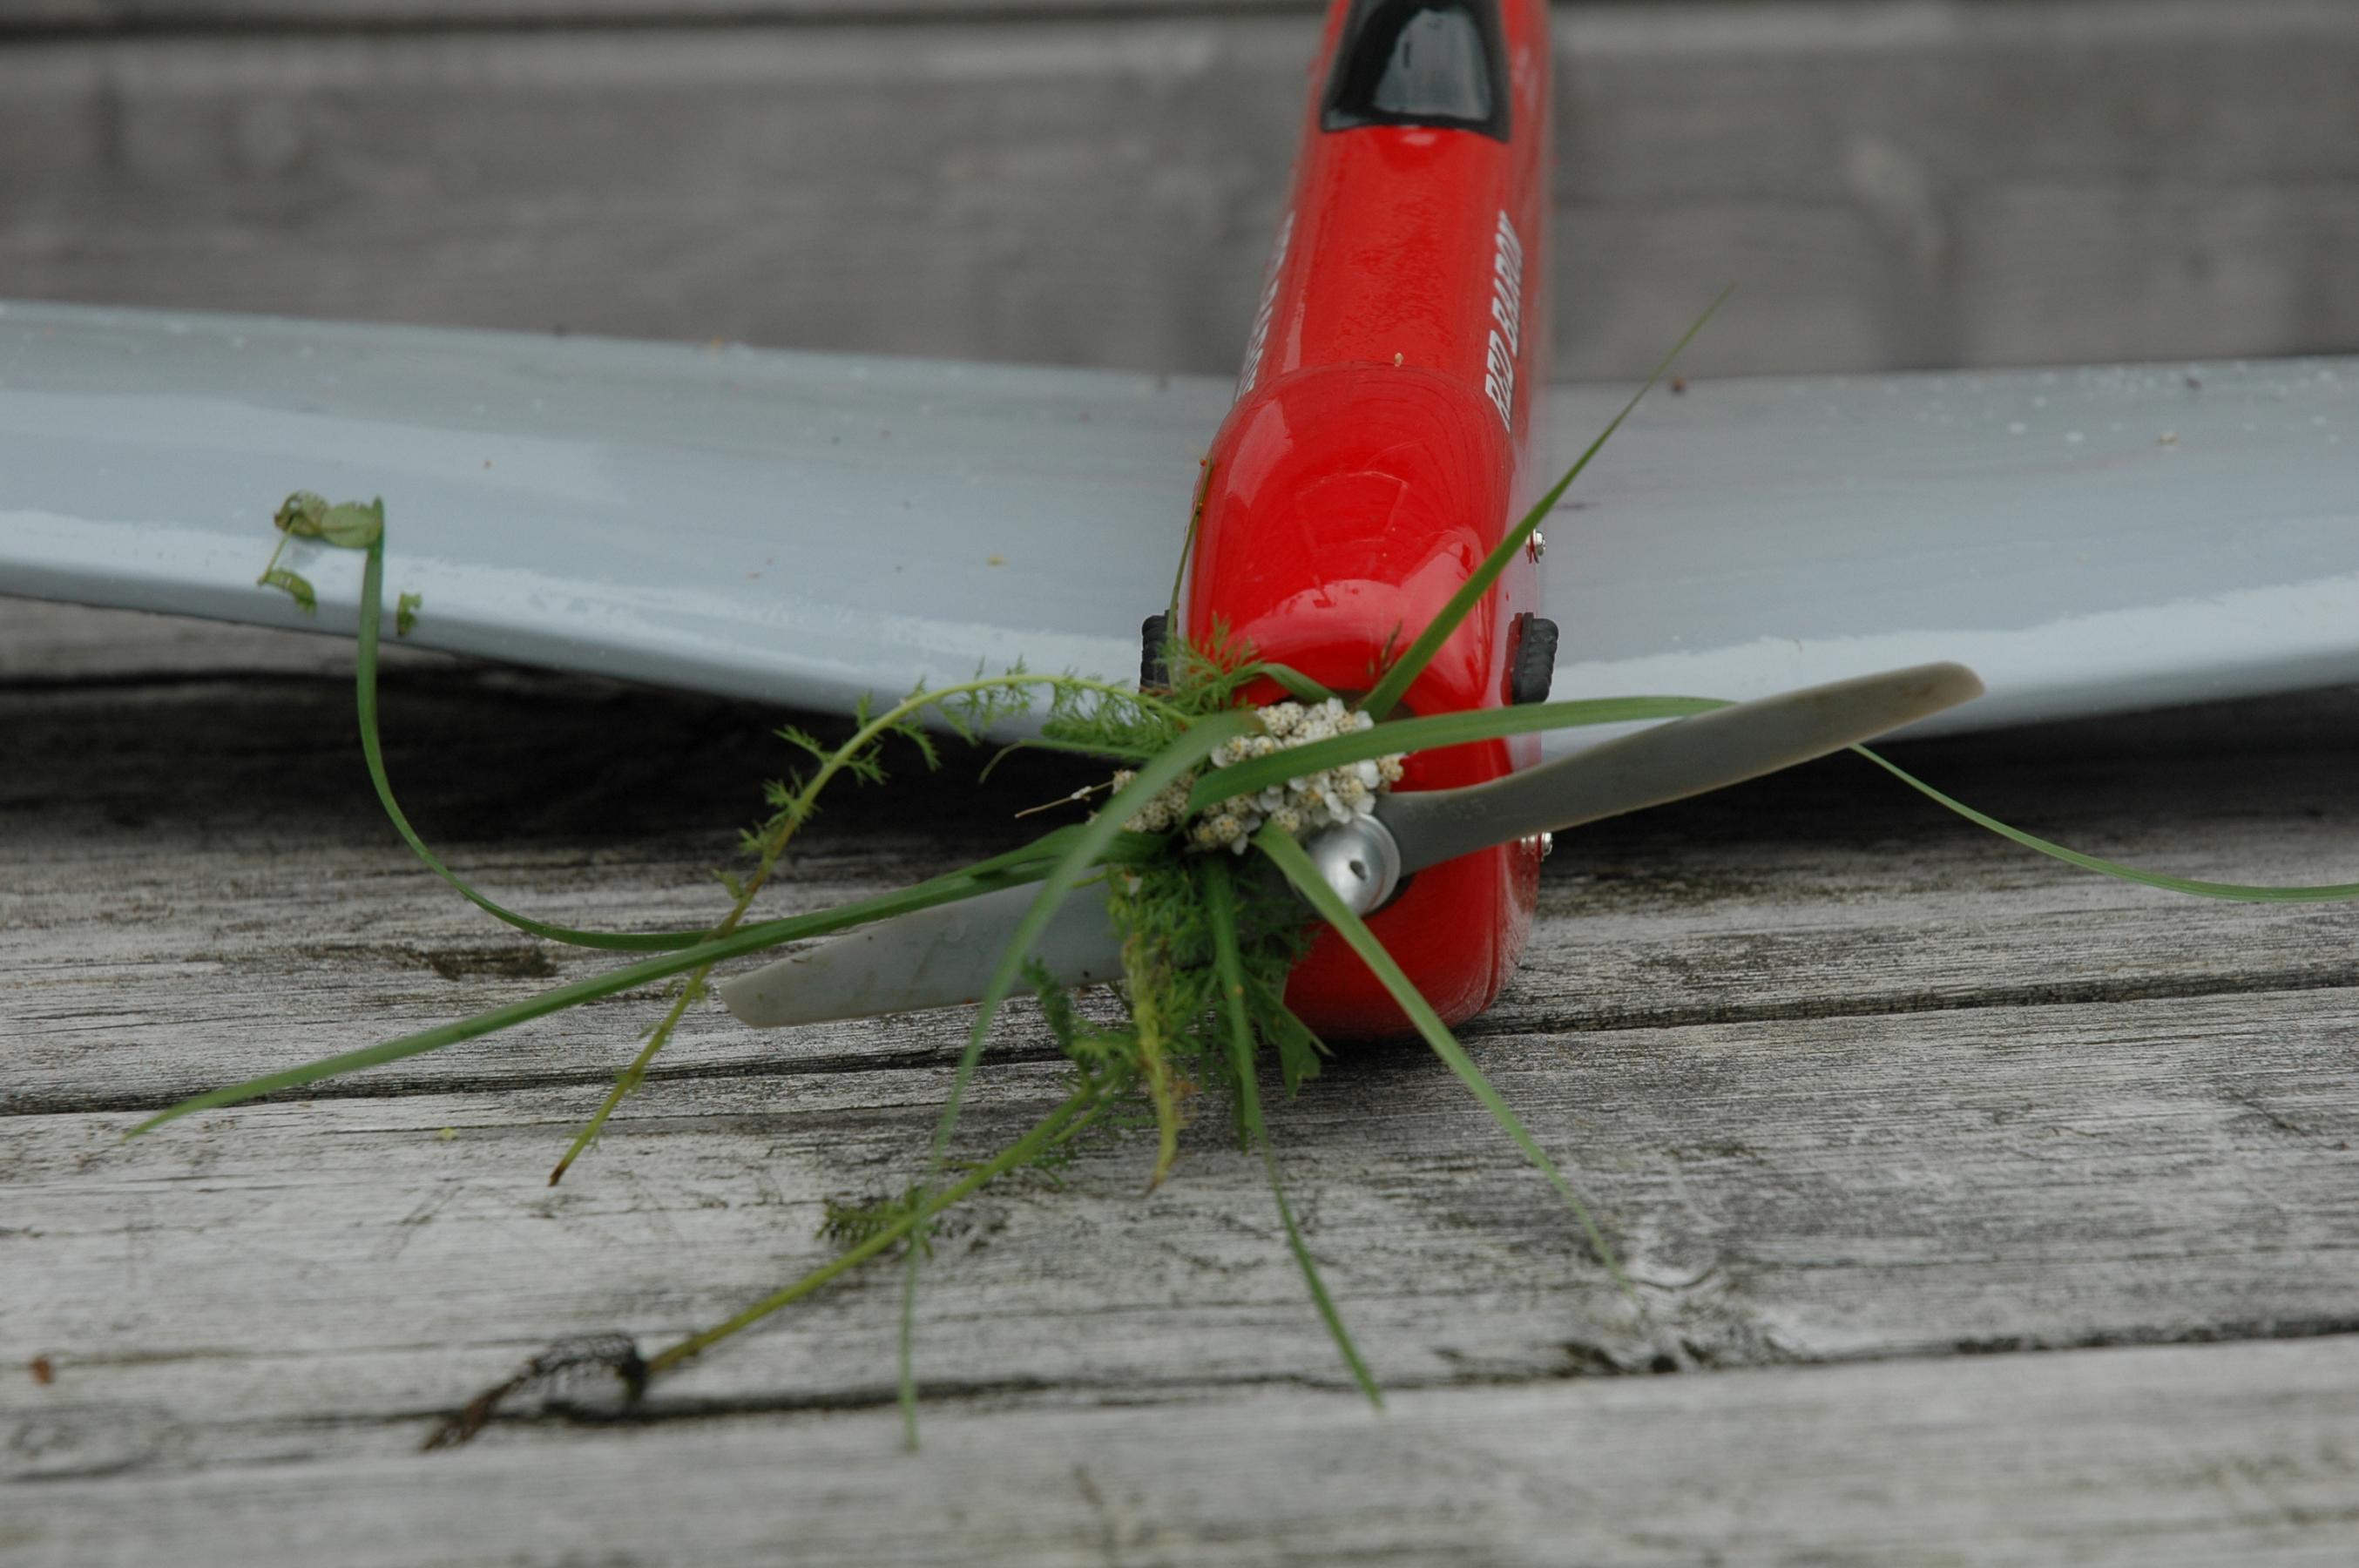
<point x="1889" y="182"/>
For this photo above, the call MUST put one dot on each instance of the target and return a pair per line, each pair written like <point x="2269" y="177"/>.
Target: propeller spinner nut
<point x="1360" y="859"/>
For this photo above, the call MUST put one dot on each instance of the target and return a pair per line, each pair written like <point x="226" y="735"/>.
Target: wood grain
<point x="1830" y="890"/>
<point x="165" y="16"/>
<point x="1995" y="1214"/>
<point x="2148" y="1172"/>
<point x="1874" y="1108"/>
<point x="2171" y="1458"/>
<point x="1934" y="184"/>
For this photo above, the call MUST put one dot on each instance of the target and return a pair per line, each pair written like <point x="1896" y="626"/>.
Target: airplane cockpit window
<point x="1420" y="62"/>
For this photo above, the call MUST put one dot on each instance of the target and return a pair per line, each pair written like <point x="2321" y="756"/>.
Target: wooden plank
<point x="2173" y="1458"/>
<point x="1868" y="1105"/>
<point x="160" y="16"/>
<point x="2152" y="1144"/>
<point x="1948" y="183"/>
<point x="1832" y="889"/>
<point x="1921" y="1185"/>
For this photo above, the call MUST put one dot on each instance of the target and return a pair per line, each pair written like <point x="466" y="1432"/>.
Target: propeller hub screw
<point x="1537" y="545"/>
<point x="1360" y="860"/>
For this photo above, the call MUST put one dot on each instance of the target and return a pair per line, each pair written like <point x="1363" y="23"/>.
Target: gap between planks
<point x="2140" y="1459"/>
<point x="250" y="1315"/>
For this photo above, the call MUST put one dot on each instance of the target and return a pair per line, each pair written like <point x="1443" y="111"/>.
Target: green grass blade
<point x="925" y="895"/>
<point x="1289" y="858"/>
<point x="633" y="1074"/>
<point x="1404" y="669"/>
<point x="1187" y="548"/>
<point x="1089" y="841"/>
<point x="1298" y="1049"/>
<point x="1296" y="685"/>
<point x="1220" y="910"/>
<point x="1104" y="751"/>
<point x="2236" y="891"/>
<point x="1431" y="734"/>
<point x="1043" y="1136"/>
<point x="372" y="750"/>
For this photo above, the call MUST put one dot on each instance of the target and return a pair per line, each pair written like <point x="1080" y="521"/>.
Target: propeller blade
<point x="943" y="957"/>
<point x="934" y="958"/>
<point x="1669" y="762"/>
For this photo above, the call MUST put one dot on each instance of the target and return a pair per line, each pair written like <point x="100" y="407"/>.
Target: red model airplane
<point x="1382" y="441"/>
<point x="1379" y="449"/>
<point x="811" y="529"/>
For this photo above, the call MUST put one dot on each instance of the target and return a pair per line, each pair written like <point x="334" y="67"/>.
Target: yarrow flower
<point x="1328" y="795"/>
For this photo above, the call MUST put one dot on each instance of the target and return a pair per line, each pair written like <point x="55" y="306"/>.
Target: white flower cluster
<point x="1330" y="795"/>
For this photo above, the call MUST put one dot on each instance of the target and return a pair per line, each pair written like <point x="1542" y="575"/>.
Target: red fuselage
<point x="1381" y="442"/>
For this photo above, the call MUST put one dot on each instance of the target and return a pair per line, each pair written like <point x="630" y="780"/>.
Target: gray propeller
<point x="945" y="956"/>
<point x="934" y="958"/>
<point x="1669" y="762"/>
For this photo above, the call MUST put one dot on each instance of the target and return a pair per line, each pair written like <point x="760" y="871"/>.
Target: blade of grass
<point x="1104" y="751"/>
<point x="2235" y="891"/>
<point x="1431" y="734"/>
<point x="948" y="888"/>
<point x="1219" y="908"/>
<point x="372" y="751"/>
<point x="1089" y="840"/>
<point x="372" y="614"/>
<point x="1043" y="1134"/>
<point x="626" y="1083"/>
<point x="1437" y="731"/>
<point x="965" y="704"/>
<point x="1296" y="685"/>
<point x="1041" y="851"/>
<point x="1289" y="858"/>
<point x="1404" y="669"/>
<point x="1187" y="549"/>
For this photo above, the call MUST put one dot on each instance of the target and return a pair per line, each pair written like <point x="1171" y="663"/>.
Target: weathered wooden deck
<point x="2004" y="1213"/>
<point x="1890" y="183"/>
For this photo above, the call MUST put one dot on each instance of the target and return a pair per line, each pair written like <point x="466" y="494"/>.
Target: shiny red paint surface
<point x="1366" y="469"/>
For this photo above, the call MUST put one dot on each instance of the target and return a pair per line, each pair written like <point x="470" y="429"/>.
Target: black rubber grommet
<point x="1154" y="672"/>
<point x="1531" y="648"/>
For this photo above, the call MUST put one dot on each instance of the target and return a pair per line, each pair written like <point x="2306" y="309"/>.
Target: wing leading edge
<point x="809" y="527"/>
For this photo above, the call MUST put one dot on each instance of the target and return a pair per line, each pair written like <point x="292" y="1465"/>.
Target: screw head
<point x="1360" y="859"/>
<point x="1537" y="545"/>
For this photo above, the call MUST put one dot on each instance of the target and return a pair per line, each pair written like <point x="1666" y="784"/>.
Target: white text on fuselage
<point x="1506" y="321"/>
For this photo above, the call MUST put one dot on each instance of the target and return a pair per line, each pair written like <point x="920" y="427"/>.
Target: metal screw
<point x="1544" y="842"/>
<point x="1360" y="859"/>
<point x="1537" y="545"/>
